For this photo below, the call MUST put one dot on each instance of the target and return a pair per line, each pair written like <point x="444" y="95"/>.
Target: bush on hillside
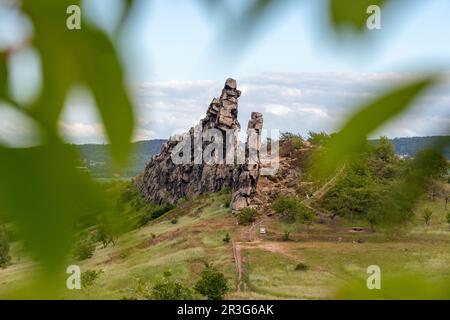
<point x="247" y="215"/>
<point x="84" y="247"/>
<point x="289" y="143"/>
<point x="154" y="212"/>
<point x="212" y="284"/>
<point x="427" y="213"/>
<point x="287" y="208"/>
<point x="89" y="277"/>
<point x="301" y="266"/>
<point x="170" y="289"/>
<point x="227" y="238"/>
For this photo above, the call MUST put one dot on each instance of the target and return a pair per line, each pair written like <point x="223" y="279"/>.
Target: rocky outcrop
<point x="206" y="158"/>
<point x="247" y="174"/>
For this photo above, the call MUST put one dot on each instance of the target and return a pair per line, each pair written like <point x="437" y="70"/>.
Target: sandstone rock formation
<point x="166" y="180"/>
<point x="247" y="174"/>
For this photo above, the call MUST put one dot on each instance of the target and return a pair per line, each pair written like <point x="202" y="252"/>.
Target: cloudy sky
<point x="177" y="58"/>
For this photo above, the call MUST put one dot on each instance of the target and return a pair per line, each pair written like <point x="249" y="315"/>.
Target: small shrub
<point x="212" y="284"/>
<point x="247" y="215"/>
<point x="140" y="290"/>
<point x="88" y="277"/>
<point x="160" y="210"/>
<point x="5" y="258"/>
<point x="174" y="221"/>
<point x="286" y="207"/>
<point x="301" y="267"/>
<point x="286" y="236"/>
<point x="427" y="213"/>
<point x="305" y="215"/>
<point x="227" y="238"/>
<point x="291" y="208"/>
<point x="226" y="190"/>
<point x="84" y="248"/>
<point x="226" y="202"/>
<point x="318" y="138"/>
<point x="170" y="289"/>
<point x="105" y="237"/>
<point x="154" y="212"/>
<point x="289" y="143"/>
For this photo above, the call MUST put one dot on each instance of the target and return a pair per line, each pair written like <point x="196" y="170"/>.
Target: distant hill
<point x="410" y="146"/>
<point x="96" y="159"/>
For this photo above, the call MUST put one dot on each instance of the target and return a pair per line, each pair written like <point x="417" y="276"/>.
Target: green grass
<point x="413" y="249"/>
<point x="332" y="253"/>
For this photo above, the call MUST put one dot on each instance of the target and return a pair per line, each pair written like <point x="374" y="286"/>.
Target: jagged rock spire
<point x="163" y="180"/>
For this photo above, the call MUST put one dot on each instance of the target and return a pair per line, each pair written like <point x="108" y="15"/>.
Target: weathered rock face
<point x="167" y="180"/>
<point x="247" y="174"/>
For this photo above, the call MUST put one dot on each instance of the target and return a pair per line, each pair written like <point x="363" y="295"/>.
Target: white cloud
<point x="289" y="101"/>
<point x="277" y="109"/>
<point x="81" y="130"/>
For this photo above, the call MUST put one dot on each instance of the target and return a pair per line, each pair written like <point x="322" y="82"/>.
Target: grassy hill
<point x="185" y="238"/>
<point x="324" y="257"/>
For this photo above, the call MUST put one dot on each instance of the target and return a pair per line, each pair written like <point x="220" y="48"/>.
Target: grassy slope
<point x="332" y="262"/>
<point x="332" y="253"/>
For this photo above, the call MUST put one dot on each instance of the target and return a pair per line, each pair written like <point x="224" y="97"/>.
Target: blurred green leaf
<point x="85" y="56"/>
<point x="399" y="203"/>
<point x="3" y="76"/>
<point x="406" y="287"/>
<point x="352" y="13"/>
<point x="353" y="135"/>
<point x="55" y="45"/>
<point x="128" y="6"/>
<point x="42" y="190"/>
<point x="103" y="74"/>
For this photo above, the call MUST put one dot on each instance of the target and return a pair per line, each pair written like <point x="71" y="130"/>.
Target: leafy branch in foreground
<point x="56" y="193"/>
<point x="352" y="137"/>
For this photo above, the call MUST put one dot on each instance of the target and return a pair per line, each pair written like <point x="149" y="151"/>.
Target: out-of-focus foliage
<point x="407" y="287"/>
<point x="352" y="137"/>
<point x="5" y="258"/>
<point x="318" y="138"/>
<point x="84" y="247"/>
<point x="381" y="188"/>
<point x="40" y="189"/>
<point x="85" y="56"/>
<point x="353" y="14"/>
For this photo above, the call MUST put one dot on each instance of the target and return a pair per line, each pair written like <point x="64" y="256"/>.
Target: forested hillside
<point x="411" y="145"/>
<point x="96" y="159"/>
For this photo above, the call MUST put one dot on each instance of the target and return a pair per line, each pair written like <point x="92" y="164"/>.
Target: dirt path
<point x="238" y="262"/>
<point x="246" y="234"/>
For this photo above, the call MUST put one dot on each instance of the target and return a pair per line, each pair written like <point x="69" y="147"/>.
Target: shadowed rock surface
<point x="163" y="180"/>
